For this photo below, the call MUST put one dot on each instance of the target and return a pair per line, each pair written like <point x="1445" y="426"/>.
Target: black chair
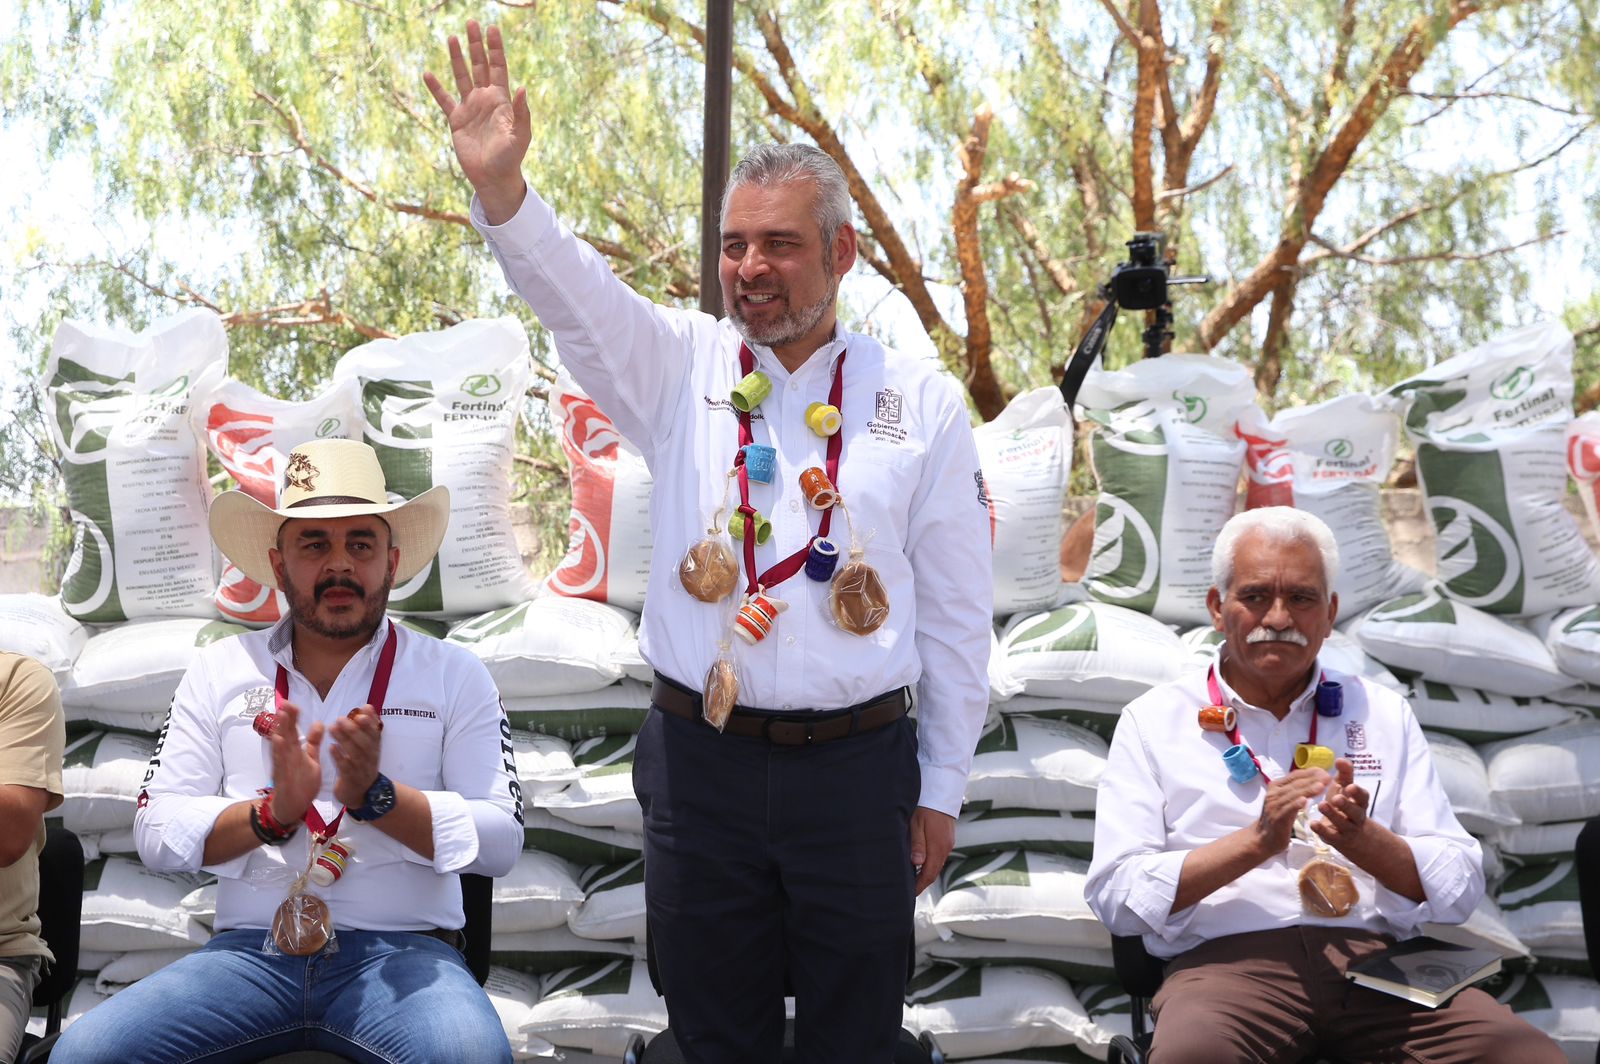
<point x="1140" y="975"/>
<point x="1586" y="856"/>
<point x="60" y="918"/>
<point x="663" y="1049"/>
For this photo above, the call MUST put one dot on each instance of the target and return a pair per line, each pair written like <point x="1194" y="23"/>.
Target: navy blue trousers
<point x="767" y="865"/>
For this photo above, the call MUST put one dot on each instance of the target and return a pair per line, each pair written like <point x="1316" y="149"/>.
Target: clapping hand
<point x="489" y="127"/>
<point x="1344" y="813"/>
<point x="296" y="765"/>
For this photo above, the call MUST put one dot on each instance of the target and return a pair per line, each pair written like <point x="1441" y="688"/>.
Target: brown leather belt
<point x="454" y="939"/>
<point x="806" y="728"/>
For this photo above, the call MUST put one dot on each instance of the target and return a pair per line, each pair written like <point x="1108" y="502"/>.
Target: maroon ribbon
<point x="793" y="563"/>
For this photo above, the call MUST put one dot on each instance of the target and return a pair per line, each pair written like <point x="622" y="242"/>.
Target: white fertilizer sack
<point x="1574" y="641"/>
<point x="1020" y="897"/>
<point x="613" y="906"/>
<point x="1090" y="652"/>
<point x="135" y="472"/>
<point x="544" y="762"/>
<point x="549" y="646"/>
<point x="985" y="830"/>
<point x="538" y="893"/>
<point x="979" y="1012"/>
<point x="1026" y="454"/>
<point x="1330" y="460"/>
<point x="1024" y="763"/>
<point x="251" y="435"/>
<point x="1548" y="775"/>
<point x="1453" y="643"/>
<point x="127" y="675"/>
<point x="602" y="796"/>
<point x="597" y="1007"/>
<point x="556" y="948"/>
<point x="442" y="408"/>
<point x="36" y="626"/>
<point x="1564" y="1007"/>
<point x="1541" y="906"/>
<point x="1483" y="716"/>
<point x="1490" y="429"/>
<point x="618" y="709"/>
<point x="1167" y="461"/>
<point x="100" y="779"/>
<point x="126" y="906"/>
<point x="608" y="552"/>
<point x="1466" y="784"/>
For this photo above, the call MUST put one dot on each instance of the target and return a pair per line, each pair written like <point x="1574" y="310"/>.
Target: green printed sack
<point x="1490" y="427"/>
<point x="1021" y="897"/>
<point x="597" y="1007"/>
<point x="1566" y="1008"/>
<point x="602" y="795"/>
<point x="1167" y="461"/>
<point x="1574" y="639"/>
<point x="442" y="408"/>
<point x="1450" y="642"/>
<point x="1330" y="460"/>
<point x="984" y="1012"/>
<point x="1542" y="908"/>
<point x="1090" y="653"/>
<point x="135" y="471"/>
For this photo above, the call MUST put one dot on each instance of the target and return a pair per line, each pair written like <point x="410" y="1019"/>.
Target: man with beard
<point x="1268" y="822"/>
<point x="337" y="834"/>
<point x="791" y="809"/>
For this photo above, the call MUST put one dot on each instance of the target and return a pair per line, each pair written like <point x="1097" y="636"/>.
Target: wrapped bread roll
<point x="1327" y="889"/>
<point x="858" y="600"/>
<point x="709" y="570"/>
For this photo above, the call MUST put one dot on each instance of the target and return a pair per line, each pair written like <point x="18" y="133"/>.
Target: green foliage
<point x="281" y="161"/>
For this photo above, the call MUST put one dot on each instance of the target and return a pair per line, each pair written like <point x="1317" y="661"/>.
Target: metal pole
<point x="718" y="128"/>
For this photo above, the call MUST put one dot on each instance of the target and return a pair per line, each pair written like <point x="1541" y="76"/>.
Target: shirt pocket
<point x="413" y="747"/>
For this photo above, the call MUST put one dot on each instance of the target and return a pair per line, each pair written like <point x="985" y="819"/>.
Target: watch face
<point x="380" y="799"/>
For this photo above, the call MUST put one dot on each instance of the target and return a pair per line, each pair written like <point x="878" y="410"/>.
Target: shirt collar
<point x="1305" y="698"/>
<point x="281" y="646"/>
<point x="829" y="352"/>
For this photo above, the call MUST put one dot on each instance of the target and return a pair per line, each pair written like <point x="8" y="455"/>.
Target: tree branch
<point x="980" y="380"/>
<point x="296" y="130"/>
<point x="1405" y="58"/>
<point x="1054" y="268"/>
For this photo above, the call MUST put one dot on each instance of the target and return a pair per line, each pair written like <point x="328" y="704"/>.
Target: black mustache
<point x="335" y="581"/>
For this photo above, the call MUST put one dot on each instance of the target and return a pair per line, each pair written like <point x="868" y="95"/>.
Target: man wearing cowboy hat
<point x="336" y="833"/>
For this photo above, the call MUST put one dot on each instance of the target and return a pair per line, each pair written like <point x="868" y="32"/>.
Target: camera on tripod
<point x="1141" y="283"/>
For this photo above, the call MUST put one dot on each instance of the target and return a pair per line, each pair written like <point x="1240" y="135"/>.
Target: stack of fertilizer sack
<point x="1012" y="966"/>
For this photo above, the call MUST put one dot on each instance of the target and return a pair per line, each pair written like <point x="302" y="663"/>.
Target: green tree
<point x="1343" y="168"/>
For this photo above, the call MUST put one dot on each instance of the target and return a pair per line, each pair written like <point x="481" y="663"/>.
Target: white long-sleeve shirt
<point x="908" y="472"/>
<point x="1165" y="791"/>
<point x="444" y="733"/>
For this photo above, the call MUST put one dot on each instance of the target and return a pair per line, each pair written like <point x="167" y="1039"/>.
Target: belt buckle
<point x="766" y="730"/>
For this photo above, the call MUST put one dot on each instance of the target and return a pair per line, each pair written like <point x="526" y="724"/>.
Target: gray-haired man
<point x="789" y="847"/>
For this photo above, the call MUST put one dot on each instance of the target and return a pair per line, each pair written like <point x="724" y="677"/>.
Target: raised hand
<point x="490" y="128"/>
<point x="1344" y="813"/>
<point x="296" y="766"/>
<point x="1285" y="797"/>
<point x="357" y="743"/>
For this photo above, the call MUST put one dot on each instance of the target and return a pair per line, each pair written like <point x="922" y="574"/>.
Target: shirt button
<point x="790" y="640"/>
<point x="794" y="504"/>
<point x="794" y="386"/>
<point x="787" y="706"/>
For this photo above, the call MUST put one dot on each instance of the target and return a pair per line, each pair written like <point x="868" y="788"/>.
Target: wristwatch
<point x="380" y="799"/>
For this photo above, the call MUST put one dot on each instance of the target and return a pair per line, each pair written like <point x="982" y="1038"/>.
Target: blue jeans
<point x="385" y="997"/>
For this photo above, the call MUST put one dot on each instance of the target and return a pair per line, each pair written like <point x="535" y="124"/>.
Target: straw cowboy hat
<point x="326" y="479"/>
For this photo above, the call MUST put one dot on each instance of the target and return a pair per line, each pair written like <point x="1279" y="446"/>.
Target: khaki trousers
<point x="1281" y="996"/>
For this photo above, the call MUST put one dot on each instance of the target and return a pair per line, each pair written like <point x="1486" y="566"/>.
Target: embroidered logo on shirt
<point x="889" y="406"/>
<point x="256" y="700"/>
<point x="1355" y="735"/>
<point x="727" y="404"/>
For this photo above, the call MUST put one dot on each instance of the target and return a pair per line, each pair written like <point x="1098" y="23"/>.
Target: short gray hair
<point x="779" y="164"/>
<point x="1280" y="524"/>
